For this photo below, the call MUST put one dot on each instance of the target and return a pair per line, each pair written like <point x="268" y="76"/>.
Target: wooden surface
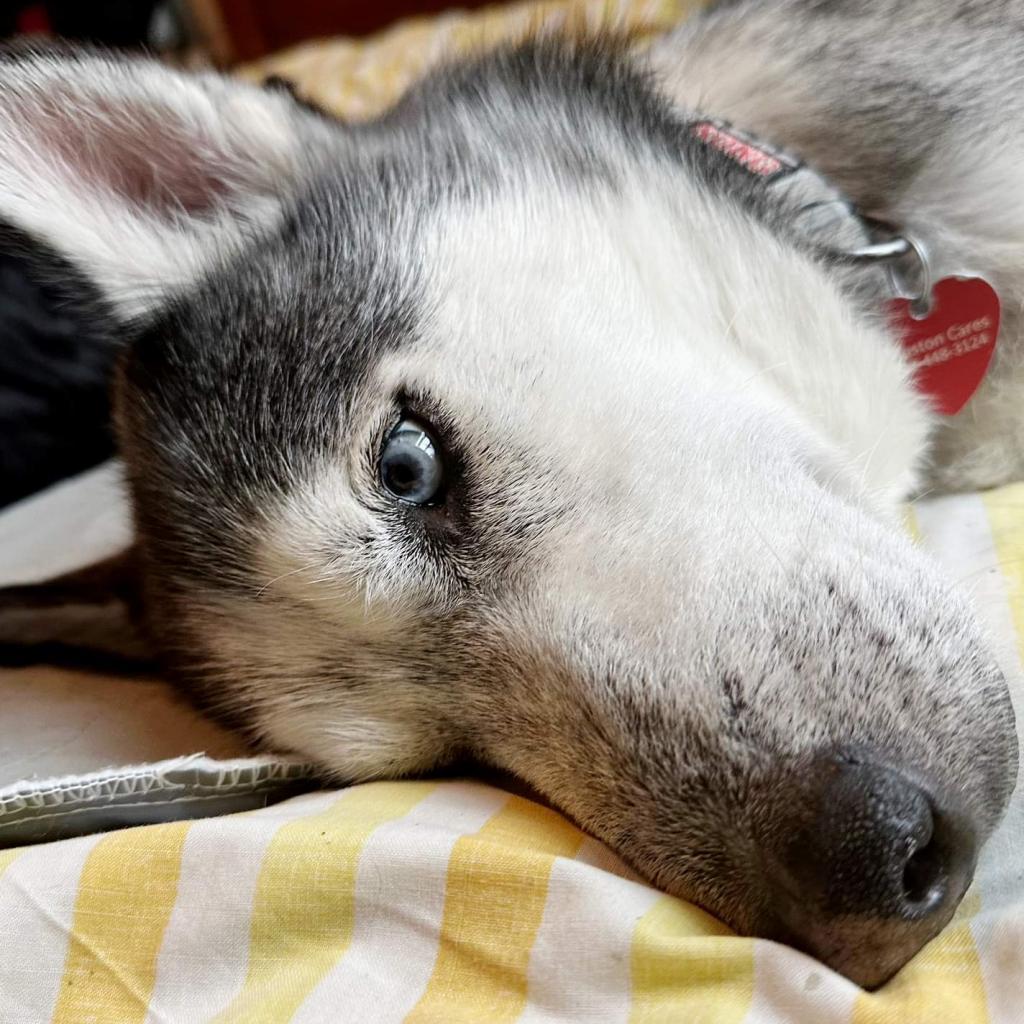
<point x="242" y="30"/>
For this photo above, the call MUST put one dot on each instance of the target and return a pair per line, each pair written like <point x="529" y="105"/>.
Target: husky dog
<point x="523" y="424"/>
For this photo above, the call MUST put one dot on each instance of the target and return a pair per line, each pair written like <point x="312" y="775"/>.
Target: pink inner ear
<point x="148" y="157"/>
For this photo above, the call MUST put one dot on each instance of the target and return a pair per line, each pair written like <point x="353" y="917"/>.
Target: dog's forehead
<point x="479" y="259"/>
<point x="582" y="281"/>
<point x="595" y="318"/>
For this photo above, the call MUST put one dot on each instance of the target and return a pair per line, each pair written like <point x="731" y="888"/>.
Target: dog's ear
<point x="140" y="175"/>
<point x="89" y="618"/>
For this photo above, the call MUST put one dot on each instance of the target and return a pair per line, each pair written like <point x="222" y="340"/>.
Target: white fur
<point x="695" y="305"/>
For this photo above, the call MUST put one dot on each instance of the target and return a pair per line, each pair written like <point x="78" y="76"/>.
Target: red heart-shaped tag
<point x="951" y="347"/>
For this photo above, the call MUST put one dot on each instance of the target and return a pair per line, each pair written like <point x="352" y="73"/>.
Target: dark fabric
<point x="112" y="22"/>
<point x="56" y="353"/>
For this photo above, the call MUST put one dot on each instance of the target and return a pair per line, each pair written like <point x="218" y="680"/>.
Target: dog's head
<point x="514" y="426"/>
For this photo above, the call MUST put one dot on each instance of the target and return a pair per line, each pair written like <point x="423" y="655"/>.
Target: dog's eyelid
<point x="424" y="407"/>
<point x="434" y="414"/>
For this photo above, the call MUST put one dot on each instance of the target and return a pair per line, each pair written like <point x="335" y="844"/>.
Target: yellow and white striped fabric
<point x="454" y="901"/>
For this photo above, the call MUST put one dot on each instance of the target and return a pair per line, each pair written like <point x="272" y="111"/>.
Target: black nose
<point x="872" y="868"/>
<point x="879" y="845"/>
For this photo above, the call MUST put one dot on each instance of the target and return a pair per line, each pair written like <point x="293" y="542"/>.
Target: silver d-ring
<point x="903" y="285"/>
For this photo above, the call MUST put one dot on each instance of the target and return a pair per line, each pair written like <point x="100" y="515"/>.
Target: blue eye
<point x="411" y="468"/>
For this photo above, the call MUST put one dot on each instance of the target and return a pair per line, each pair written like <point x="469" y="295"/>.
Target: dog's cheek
<point x="357" y="738"/>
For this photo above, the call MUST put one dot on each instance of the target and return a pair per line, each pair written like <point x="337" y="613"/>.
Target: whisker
<point x="284" y="575"/>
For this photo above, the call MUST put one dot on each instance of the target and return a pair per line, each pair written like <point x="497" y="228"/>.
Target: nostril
<point x="924" y="877"/>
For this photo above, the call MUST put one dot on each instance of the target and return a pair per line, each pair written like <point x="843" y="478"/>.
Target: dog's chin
<point x="867" y="949"/>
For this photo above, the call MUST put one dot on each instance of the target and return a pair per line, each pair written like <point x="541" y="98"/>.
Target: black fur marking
<point x="57" y="346"/>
